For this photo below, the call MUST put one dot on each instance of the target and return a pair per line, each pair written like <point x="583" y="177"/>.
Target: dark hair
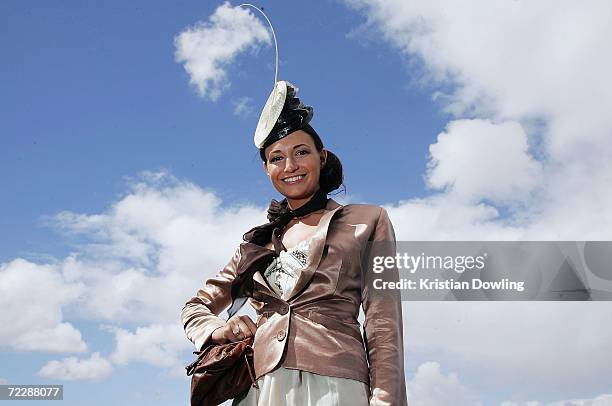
<point x="331" y="177"/>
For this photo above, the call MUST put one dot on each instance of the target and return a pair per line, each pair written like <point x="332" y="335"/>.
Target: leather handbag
<point x="221" y="372"/>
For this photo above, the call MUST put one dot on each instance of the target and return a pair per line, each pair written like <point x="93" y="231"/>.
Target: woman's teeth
<point x="293" y="179"/>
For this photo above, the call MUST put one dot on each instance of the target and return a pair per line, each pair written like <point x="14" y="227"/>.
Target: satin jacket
<point x="316" y="328"/>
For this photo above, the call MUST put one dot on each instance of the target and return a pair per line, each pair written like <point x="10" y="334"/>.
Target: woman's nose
<point x="290" y="164"/>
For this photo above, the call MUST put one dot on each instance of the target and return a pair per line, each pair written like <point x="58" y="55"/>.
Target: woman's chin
<point x="295" y="194"/>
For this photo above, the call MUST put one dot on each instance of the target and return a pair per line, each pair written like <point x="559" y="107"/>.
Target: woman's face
<point x="294" y="166"/>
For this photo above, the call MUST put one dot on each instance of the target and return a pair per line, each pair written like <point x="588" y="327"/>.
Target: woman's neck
<point x="295" y="204"/>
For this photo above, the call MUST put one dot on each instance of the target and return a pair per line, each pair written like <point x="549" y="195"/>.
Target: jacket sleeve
<point x="200" y="315"/>
<point x="383" y="327"/>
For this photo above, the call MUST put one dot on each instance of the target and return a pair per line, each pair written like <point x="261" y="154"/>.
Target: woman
<point x="303" y="273"/>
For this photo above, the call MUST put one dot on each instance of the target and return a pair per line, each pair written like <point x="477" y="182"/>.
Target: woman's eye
<point x="275" y="159"/>
<point x="303" y="152"/>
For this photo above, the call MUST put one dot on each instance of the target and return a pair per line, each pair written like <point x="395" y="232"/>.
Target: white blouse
<point x="284" y="271"/>
<point x="292" y="387"/>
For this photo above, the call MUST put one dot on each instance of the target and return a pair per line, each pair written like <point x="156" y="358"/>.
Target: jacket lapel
<point x="317" y="244"/>
<point x="264" y="287"/>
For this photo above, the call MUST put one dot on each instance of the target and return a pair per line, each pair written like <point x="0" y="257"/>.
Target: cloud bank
<point x="527" y="89"/>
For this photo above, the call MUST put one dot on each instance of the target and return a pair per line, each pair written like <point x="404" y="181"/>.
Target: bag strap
<point x="191" y="367"/>
<point x="251" y="372"/>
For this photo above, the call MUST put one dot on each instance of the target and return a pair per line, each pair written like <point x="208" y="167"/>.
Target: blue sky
<point x="111" y="160"/>
<point x="92" y="94"/>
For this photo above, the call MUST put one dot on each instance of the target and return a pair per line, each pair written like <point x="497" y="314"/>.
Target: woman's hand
<point x="237" y="328"/>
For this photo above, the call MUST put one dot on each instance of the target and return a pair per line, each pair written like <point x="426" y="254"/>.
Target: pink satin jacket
<point x="316" y="328"/>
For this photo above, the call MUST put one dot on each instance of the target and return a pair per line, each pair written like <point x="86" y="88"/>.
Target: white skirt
<point x="292" y="387"/>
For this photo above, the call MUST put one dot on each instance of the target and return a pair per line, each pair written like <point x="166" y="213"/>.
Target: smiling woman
<point x="307" y="344"/>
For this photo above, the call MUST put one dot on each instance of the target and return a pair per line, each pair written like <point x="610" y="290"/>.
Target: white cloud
<point x="477" y="159"/>
<point x="531" y="345"/>
<point x="441" y="217"/>
<point x="61" y="338"/>
<point x="3" y="381"/>
<point x="601" y="400"/>
<point x="511" y="75"/>
<point x="243" y="107"/>
<point x="512" y="63"/>
<point x="430" y="387"/>
<point x="156" y="345"/>
<point x="32" y="297"/>
<point x="95" y="368"/>
<point x="146" y="256"/>
<point x="208" y="48"/>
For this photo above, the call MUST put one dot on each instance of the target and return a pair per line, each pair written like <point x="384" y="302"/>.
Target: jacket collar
<point x="317" y="245"/>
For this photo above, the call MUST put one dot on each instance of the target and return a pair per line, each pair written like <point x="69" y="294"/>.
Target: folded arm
<point x="200" y="315"/>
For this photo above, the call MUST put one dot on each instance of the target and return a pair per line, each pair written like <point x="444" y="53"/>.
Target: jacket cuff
<point x="203" y="335"/>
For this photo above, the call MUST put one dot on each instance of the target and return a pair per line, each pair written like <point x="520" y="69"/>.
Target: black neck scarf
<point x="279" y="215"/>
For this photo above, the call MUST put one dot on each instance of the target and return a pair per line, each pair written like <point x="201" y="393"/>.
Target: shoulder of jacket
<point x="370" y="210"/>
